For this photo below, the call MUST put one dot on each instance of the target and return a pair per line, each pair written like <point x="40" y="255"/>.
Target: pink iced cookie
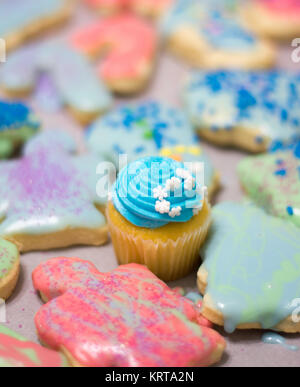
<point x="15" y="351"/>
<point x="127" y="317"/>
<point x="130" y="44"/>
<point x="144" y="7"/>
<point x="282" y="8"/>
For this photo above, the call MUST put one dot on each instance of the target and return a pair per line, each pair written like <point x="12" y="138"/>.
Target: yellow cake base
<point x="171" y="252"/>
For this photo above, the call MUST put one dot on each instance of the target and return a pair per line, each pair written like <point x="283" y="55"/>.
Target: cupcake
<point x="158" y="216"/>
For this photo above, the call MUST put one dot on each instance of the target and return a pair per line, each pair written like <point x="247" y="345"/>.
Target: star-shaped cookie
<point x="125" y="318"/>
<point x="48" y="197"/>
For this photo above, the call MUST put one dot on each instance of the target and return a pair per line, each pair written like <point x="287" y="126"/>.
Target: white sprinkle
<point x="109" y="196"/>
<point x="183" y="173"/>
<point x="163" y="207"/>
<point x="176" y="211"/>
<point x="173" y="184"/>
<point x="160" y="193"/>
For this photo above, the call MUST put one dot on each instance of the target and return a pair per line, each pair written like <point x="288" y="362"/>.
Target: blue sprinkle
<point x="297" y="151"/>
<point x="290" y="211"/>
<point x="281" y="172"/>
<point x="284" y="115"/>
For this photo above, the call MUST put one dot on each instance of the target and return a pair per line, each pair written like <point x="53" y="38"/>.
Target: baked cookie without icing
<point x="125" y="318"/>
<point x="250" y="276"/>
<point x="208" y="36"/>
<point x="272" y="181"/>
<point x="276" y="19"/>
<point x="23" y="19"/>
<point x="17" y="125"/>
<point x="130" y="45"/>
<point x="9" y="268"/>
<point x="15" y="351"/>
<point x="152" y="8"/>
<point x="48" y="197"/>
<point x="74" y="78"/>
<point x="248" y="110"/>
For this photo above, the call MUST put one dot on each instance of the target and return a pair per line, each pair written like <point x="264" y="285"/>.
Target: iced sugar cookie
<point x="125" y="318"/>
<point x="48" y="197"/>
<point x="277" y="19"/>
<point x="76" y="82"/>
<point x="15" y="351"/>
<point x="249" y="110"/>
<point x="139" y="130"/>
<point x="273" y="182"/>
<point x="198" y="162"/>
<point x="251" y="271"/>
<point x="152" y="8"/>
<point x="209" y="37"/>
<point x="17" y="125"/>
<point x="9" y="269"/>
<point x="23" y="19"/>
<point x="130" y="45"/>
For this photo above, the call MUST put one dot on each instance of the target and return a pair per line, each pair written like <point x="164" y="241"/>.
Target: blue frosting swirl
<point x="134" y="193"/>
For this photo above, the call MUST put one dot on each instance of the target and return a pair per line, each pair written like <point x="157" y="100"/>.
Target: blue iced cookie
<point x="146" y="129"/>
<point x="17" y="125"/>
<point x="75" y="80"/>
<point x="207" y="34"/>
<point x="20" y="20"/>
<point x="250" y="277"/>
<point x="249" y="110"/>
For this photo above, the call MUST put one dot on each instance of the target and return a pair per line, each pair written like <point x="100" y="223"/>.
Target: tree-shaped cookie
<point x="48" y="197"/>
<point x="129" y="43"/>
<point x="127" y="317"/>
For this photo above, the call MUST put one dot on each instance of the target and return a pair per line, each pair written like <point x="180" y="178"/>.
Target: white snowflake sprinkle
<point x="160" y="193"/>
<point x="183" y="173"/>
<point x="163" y="207"/>
<point x="176" y="211"/>
<point x="173" y="184"/>
<point x="189" y="183"/>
